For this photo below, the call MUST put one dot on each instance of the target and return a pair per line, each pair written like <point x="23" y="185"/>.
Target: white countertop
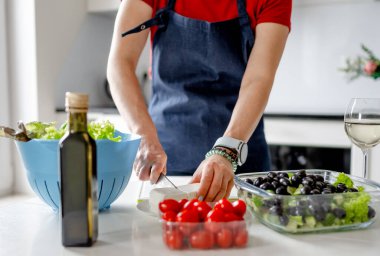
<point x="29" y="227"/>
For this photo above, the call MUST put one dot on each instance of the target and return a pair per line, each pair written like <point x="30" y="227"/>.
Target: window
<point x="5" y="171"/>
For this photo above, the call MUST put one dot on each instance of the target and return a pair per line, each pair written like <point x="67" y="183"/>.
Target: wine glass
<point x="362" y="125"/>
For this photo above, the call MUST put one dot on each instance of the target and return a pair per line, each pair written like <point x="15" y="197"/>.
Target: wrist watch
<point x="239" y="146"/>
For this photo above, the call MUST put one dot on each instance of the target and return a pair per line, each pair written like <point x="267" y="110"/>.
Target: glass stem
<point x="365" y="163"/>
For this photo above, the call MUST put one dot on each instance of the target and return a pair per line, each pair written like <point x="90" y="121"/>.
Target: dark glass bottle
<point x="78" y="176"/>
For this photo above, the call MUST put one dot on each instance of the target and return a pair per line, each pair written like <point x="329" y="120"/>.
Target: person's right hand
<point x="151" y="160"/>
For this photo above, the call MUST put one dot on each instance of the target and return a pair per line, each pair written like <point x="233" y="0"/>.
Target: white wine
<point x="78" y="177"/>
<point x="363" y="133"/>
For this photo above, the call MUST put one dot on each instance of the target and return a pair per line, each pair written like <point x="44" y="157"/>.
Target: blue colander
<point x="114" y="162"/>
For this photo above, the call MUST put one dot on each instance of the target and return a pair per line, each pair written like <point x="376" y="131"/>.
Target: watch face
<point x="243" y="153"/>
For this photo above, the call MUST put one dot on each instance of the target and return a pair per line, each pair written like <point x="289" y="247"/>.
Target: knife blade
<point x="163" y="176"/>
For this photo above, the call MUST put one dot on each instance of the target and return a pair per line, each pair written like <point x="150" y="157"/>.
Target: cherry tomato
<point x="202" y="239"/>
<point x="241" y="238"/>
<point x="173" y="239"/>
<point x="169" y="216"/>
<point x="214" y="219"/>
<point x="225" y="205"/>
<point x="229" y="216"/>
<point x="189" y="204"/>
<point x="182" y="202"/>
<point x="169" y="205"/>
<point x="224" y="238"/>
<point x="215" y="215"/>
<point x="239" y="207"/>
<point x="188" y="216"/>
<point x="203" y="209"/>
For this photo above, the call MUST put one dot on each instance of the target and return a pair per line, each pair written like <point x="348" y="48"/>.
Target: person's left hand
<point x="216" y="177"/>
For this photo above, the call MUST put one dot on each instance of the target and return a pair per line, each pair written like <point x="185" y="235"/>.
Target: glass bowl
<point x="311" y="213"/>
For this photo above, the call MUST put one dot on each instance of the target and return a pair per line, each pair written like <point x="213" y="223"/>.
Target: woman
<point x="213" y="66"/>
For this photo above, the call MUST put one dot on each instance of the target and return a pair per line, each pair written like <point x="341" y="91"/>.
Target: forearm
<point x="258" y="80"/>
<point x="129" y="99"/>
<point x="253" y="98"/>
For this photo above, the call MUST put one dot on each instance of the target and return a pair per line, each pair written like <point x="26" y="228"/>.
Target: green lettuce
<point x="101" y="130"/>
<point x="343" y="178"/>
<point x="356" y="208"/>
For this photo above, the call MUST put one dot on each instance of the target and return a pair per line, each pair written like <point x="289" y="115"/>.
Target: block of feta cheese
<point x="157" y="195"/>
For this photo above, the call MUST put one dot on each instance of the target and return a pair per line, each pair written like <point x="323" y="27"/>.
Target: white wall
<point x="322" y="36"/>
<point x="41" y="33"/>
<point x="6" y="177"/>
<point x="22" y="73"/>
<point x="84" y="68"/>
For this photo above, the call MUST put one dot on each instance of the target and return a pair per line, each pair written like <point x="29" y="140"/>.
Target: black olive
<point x="282" y="190"/>
<point x="371" y="212"/>
<point x="268" y="203"/>
<point x="275" y="184"/>
<point x="311" y="176"/>
<point x="283" y="175"/>
<point x="284" y="220"/>
<point x="277" y="201"/>
<point x="340" y="188"/>
<point x="353" y="190"/>
<point x="301" y="173"/>
<point x="326" y="191"/>
<point x="258" y="181"/>
<point x="272" y="175"/>
<point x="276" y="179"/>
<point x="331" y="187"/>
<point x="276" y="210"/>
<point x="267" y="179"/>
<point x="305" y="190"/>
<point x="319" y="184"/>
<point x="267" y="186"/>
<point x="319" y="178"/>
<point x="285" y="182"/>
<point x="315" y="191"/>
<point x="295" y="180"/>
<point x="317" y="211"/>
<point x="249" y="181"/>
<point x="308" y="181"/>
<point x="339" y="213"/>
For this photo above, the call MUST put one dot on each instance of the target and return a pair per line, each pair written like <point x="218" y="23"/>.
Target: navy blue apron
<point x="197" y="69"/>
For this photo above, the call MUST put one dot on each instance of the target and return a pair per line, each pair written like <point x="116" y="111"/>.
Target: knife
<point x="163" y="176"/>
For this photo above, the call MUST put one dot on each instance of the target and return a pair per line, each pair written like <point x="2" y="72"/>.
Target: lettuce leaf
<point x="343" y="178"/>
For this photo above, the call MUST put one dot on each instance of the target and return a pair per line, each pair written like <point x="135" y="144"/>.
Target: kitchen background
<point x="56" y="46"/>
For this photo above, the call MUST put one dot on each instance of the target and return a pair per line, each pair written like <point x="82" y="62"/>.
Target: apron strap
<point x="171" y="4"/>
<point x="160" y="20"/>
<point x="245" y="22"/>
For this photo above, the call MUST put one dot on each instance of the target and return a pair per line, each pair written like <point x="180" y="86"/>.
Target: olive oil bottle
<point x="78" y="176"/>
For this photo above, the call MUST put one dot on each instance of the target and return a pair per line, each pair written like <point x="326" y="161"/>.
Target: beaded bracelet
<point x="217" y="151"/>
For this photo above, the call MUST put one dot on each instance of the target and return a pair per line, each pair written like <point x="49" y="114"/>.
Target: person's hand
<point x="150" y="160"/>
<point x="216" y="177"/>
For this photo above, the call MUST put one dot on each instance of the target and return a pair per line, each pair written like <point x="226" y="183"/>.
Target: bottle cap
<point x="76" y="102"/>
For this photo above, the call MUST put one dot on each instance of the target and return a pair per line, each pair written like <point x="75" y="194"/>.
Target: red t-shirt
<point x="259" y="11"/>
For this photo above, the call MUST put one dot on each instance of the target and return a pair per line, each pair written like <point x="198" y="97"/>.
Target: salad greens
<point x="343" y="178"/>
<point x="98" y="130"/>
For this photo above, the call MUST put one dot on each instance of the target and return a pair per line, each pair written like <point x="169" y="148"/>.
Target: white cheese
<point x="157" y="195"/>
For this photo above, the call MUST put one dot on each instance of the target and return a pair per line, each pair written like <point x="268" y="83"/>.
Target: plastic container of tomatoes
<point x="218" y="229"/>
